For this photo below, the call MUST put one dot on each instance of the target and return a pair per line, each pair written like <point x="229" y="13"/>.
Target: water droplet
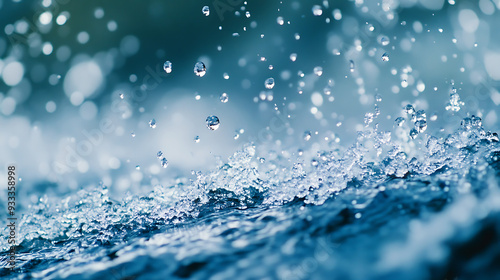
<point x="317" y="11"/>
<point x="280" y="20"/>
<point x="164" y="162"/>
<point x="159" y="154"/>
<point x="226" y="76"/>
<point x="213" y="122"/>
<point x="385" y="57"/>
<point x="247" y="14"/>
<point x="262" y="160"/>
<point x="236" y="136"/>
<point x="138" y="167"/>
<point x="383" y="40"/>
<point x="269" y="83"/>
<point x="314" y="162"/>
<point x="132" y="134"/>
<point x="197" y="139"/>
<point x="420" y="115"/>
<point x="293" y="56"/>
<point x="476" y="121"/>
<point x="206" y="11"/>
<point x="413" y="133"/>
<point x="122" y="96"/>
<point x="351" y="67"/>
<point x="434" y="117"/>
<point x="199" y="69"/>
<point x="409" y="109"/>
<point x="224" y="98"/>
<point x="378" y="98"/>
<point x="399" y="121"/>
<point x="455" y="103"/>
<point x="307" y="135"/>
<point x="167" y="66"/>
<point x="404" y="83"/>
<point x="152" y="123"/>
<point x="318" y="71"/>
<point x="421" y="126"/>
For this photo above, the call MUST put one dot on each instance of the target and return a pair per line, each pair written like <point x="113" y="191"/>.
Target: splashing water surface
<point x="338" y="167"/>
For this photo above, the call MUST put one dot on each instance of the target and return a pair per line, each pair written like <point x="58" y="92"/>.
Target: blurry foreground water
<point x="289" y="140"/>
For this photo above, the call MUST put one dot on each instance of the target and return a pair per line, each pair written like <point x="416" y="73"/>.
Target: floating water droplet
<point x="122" y="96"/>
<point x="434" y="117"/>
<point x="225" y="76"/>
<point x="383" y="40"/>
<point x="262" y="160"/>
<point x="466" y="123"/>
<point x="378" y="98"/>
<point x="385" y="57"/>
<point x="318" y="71"/>
<point x="167" y="66"/>
<point x="317" y="11"/>
<point x="280" y="20"/>
<point x="224" y="98"/>
<point x="420" y="115"/>
<point x="164" y="162"/>
<point x="399" y="121"/>
<point x="206" y="11"/>
<point x="351" y="67"/>
<point x="159" y="154"/>
<point x="247" y="14"/>
<point x="409" y="109"/>
<point x="197" y="139"/>
<point x="213" y="122"/>
<point x="138" y="167"/>
<point x="236" y="136"/>
<point x="132" y="134"/>
<point x="307" y="135"/>
<point x="421" y="126"/>
<point x="152" y="123"/>
<point x="476" y="121"/>
<point x="314" y="162"/>
<point x="413" y="133"/>
<point x="293" y="57"/>
<point x="199" y="69"/>
<point x="269" y="83"/>
<point x="404" y="83"/>
<point x="455" y="103"/>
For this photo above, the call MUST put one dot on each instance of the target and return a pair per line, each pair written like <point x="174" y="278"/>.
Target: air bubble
<point x="197" y="139"/>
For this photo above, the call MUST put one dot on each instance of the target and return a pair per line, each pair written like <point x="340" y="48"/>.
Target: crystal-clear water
<point x="329" y="161"/>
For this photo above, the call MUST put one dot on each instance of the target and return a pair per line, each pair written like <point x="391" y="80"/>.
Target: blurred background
<point x="81" y="81"/>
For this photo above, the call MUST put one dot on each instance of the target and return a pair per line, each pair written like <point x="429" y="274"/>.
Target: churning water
<point x="325" y="140"/>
